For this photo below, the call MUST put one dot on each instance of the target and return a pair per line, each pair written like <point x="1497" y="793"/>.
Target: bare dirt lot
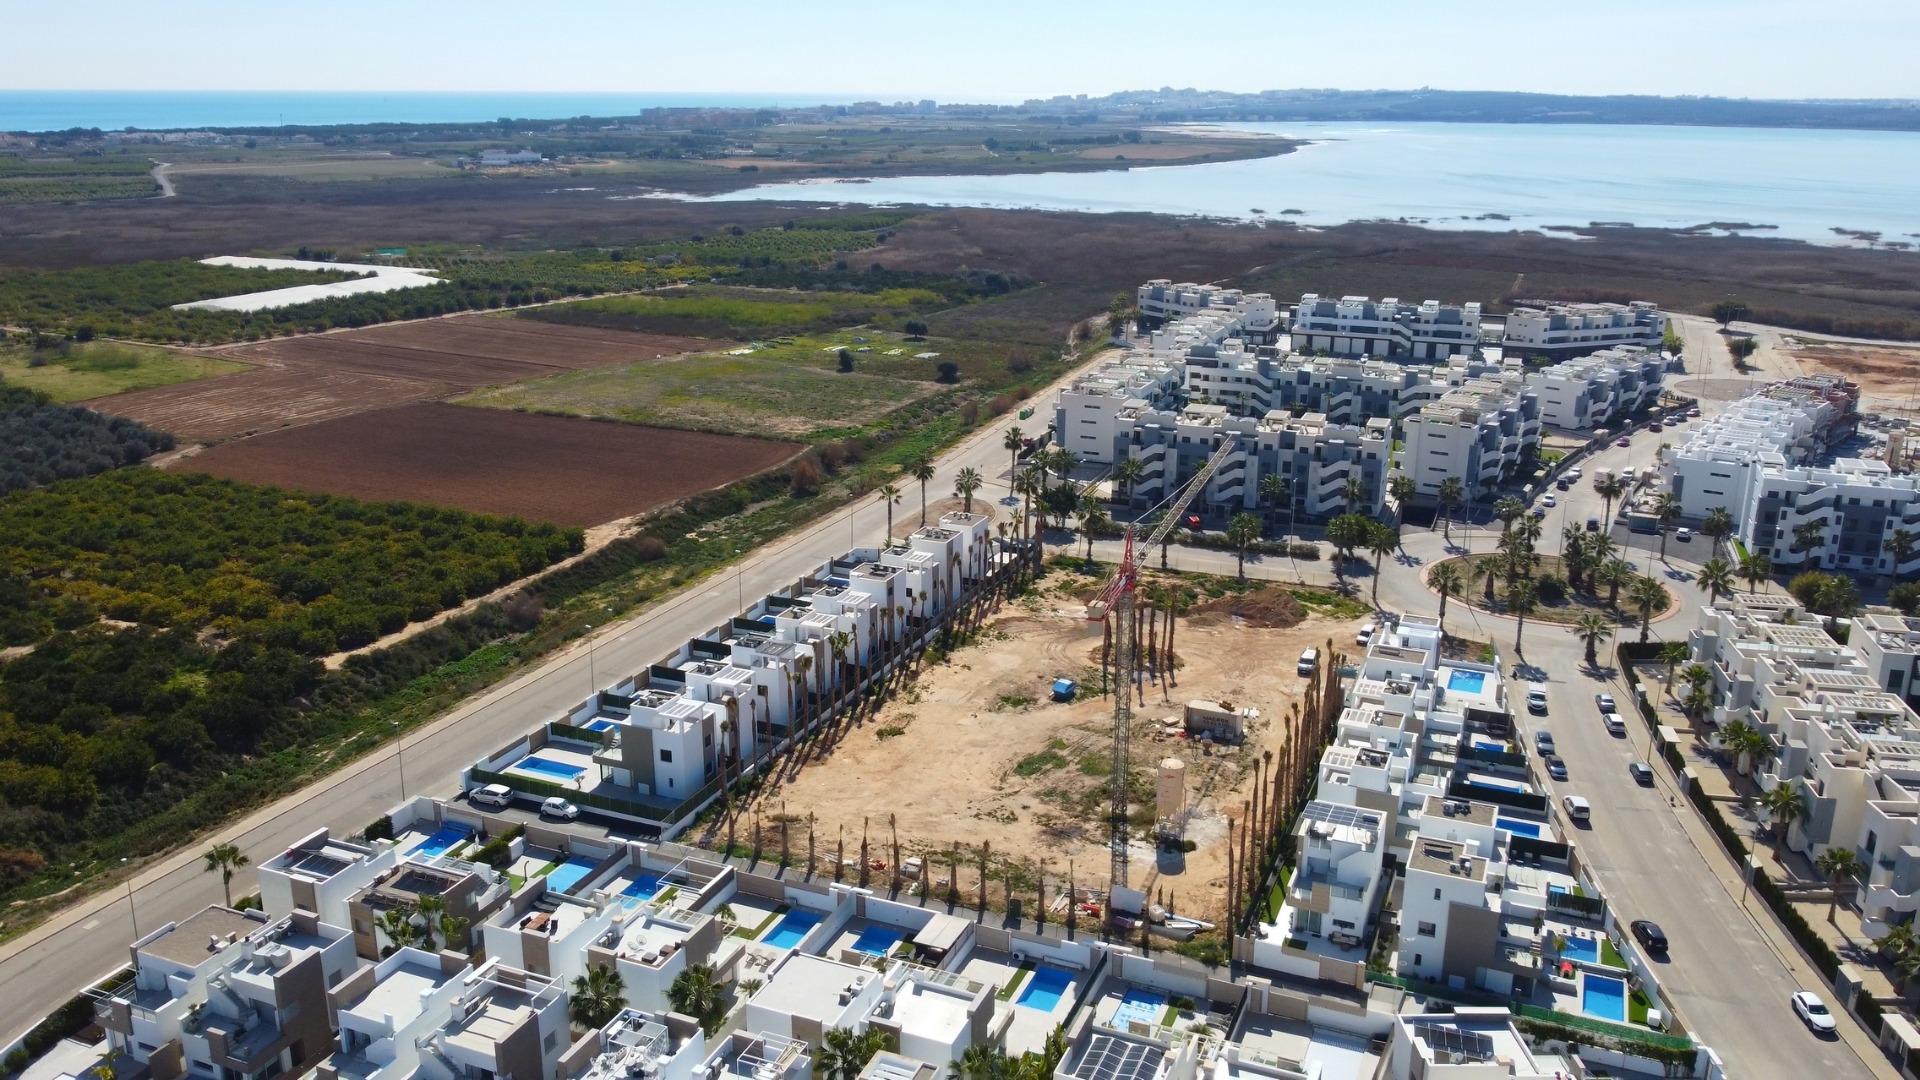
<point x="544" y="468"/>
<point x="324" y="376"/>
<point x="974" y="749"/>
<point x="1887" y="374"/>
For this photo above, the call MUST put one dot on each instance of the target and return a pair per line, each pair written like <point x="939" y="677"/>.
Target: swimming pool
<point x="557" y="769"/>
<point x="791" y="928"/>
<point x="1467" y="682"/>
<point x="1519" y="828"/>
<point x="1142" y="1005"/>
<point x="877" y="940"/>
<point x="1497" y="785"/>
<point x="600" y="725"/>
<point x="1579" y="948"/>
<point x="1044" y="989"/>
<point x="641" y="888"/>
<point x="568" y="874"/>
<point x="446" y="836"/>
<point x="1603" y="996"/>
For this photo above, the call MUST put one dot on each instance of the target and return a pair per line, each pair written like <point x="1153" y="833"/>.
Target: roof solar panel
<point x="1444" y="1036"/>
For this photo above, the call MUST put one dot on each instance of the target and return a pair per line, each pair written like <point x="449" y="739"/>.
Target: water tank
<point x="1170" y="788"/>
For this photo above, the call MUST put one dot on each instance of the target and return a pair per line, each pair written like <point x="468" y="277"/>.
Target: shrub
<point x="914" y="328"/>
<point x="846" y="360"/>
<point x="949" y="372"/>
<point x="1299" y="550"/>
<point x="1551" y="589"/>
<point x="1906" y="597"/>
<point x="380" y="828"/>
<point x="805" y="476"/>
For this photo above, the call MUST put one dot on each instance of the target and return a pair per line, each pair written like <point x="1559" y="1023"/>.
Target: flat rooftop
<point x="187" y="942"/>
<point x="809" y="986"/>
<point x="395" y="1000"/>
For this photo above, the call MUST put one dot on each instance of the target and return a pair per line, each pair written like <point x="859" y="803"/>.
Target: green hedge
<point x="1868" y="1010"/>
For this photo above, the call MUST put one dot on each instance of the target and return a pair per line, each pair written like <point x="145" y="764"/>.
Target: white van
<point x="1309" y="660"/>
<point x="1615" y="725"/>
<point x="495" y="795"/>
<point x="1577" y="808"/>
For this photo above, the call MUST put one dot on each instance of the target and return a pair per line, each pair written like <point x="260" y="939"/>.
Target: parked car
<point x="1556" y="768"/>
<point x="496" y="795"/>
<point x="1693" y="414"/>
<point x="1543" y="742"/>
<point x="1574" y="473"/>
<point x="1683" y="535"/>
<point x="1648" y="933"/>
<point x="1578" y="809"/>
<point x="1364" y="636"/>
<point x="1623" y="441"/>
<point x="1615" y="725"/>
<point x="557" y="807"/>
<point x="1605" y="701"/>
<point x="1814" y="1011"/>
<point x="1537" y="699"/>
<point x="1549" y="500"/>
<point x="1593" y="524"/>
<point x="1655" y="426"/>
<point x="1539" y="512"/>
<point x="1308" y="661"/>
<point x="1563" y="484"/>
<point x="1193" y="522"/>
<point x="1641" y="772"/>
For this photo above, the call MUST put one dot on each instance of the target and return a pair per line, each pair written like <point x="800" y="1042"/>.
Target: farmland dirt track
<point x="557" y="469"/>
<point x="319" y="377"/>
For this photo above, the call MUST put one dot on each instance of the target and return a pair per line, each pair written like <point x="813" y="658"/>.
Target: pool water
<point x="1467" y="682"/>
<point x="877" y="940"/>
<point x="1142" y="1005"/>
<point x="446" y="836"/>
<point x="1519" y="828"/>
<point x="568" y="874"/>
<point x="600" y="725"/>
<point x="791" y="928"/>
<point x="1604" y="997"/>
<point x="641" y="888"/>
<point x="1586" y="949"/>
<point x="1044" y="989"/>
<point x="549" y="768"/>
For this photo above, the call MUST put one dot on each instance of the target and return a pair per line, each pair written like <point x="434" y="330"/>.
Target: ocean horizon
<point x="114" y="110"/>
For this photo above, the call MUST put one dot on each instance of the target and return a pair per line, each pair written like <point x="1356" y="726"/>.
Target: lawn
<point x="98" y="368"/>
<point x="1567" y="610"/>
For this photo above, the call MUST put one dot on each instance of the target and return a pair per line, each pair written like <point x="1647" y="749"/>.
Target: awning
<point x="940" y="934"/>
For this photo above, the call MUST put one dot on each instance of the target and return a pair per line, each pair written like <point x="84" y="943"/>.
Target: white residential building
<point x="654" y="1045"/>
<point x="1561" y="331"/>
<point x="1385" y="329"/>
<point x="322" y="875"/>
<point x="1598" y="389"/>
<point x="1467" y="1044"/>
<point x="1478" y="433"/>
<point x="1161" y="301"/>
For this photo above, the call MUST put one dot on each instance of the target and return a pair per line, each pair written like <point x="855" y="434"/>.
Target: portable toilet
<point x="1064" y="689"/>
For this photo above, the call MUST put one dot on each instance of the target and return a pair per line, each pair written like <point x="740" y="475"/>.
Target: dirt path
<point x="160" y="177"/>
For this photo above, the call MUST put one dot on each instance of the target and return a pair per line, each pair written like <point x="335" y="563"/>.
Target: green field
<point x="76" y="372"/>
<point x="718" y="311"/>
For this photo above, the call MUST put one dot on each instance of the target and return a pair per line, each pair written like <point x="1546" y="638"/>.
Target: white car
<point x="1683" y="535"/>
<point x="1309" y="660"/>
<point x="1814" y="1011"/>
<point x="557" y="807"/>
<point x="1615" y="725"/>
<point x="1573" y="473"/>
<point x="1605" y="701"/>
<point x="1537" y="699"/>
<point x="1578" y="809"/>
<point x="1549" y="501"/>
<point x="496" y="795"/>
<point x="1364" y="636"/>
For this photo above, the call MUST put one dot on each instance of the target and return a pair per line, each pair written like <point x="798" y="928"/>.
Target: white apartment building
<point x="1478" y="433"/>
<point x="432" y="1017"/>
<point x="1161" y="301"/>
<point x="322" y="874"/>
<point x="1849" y="509"/>
<point x="1384" y="329"/>
<point x="654" y="1045"/>
<point x="1560" y="331"/>
<point x="1598" y="389"/>
<point x="1889" y="645"/>
<point x="1321" y="462"/>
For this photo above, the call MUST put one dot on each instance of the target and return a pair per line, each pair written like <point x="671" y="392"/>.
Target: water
<point x="558" y="769"/>
<point x="1577" y="948"/>
<point x="57" y="110"/>
<point x="1519" y="828"/>
<point x="1603" y="997"/>
<point x="1045" y="988"/>
<point x="564" y="877"/>
<point x="1142" y="1005"/>
<point x="877" y="940"/>
<point x="446" y="836"/>
<point x="792" y="927"/>
<point x="1467" y="682"/>
<point x="1804" y="182"/>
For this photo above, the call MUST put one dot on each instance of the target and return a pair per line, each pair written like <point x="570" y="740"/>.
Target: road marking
<point x="90" y="924"/>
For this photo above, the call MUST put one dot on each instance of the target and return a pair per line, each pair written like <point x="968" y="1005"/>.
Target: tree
<point x="430" y="909"/>
<point x="1754" y="569"/>
<point x="1592" y="628"/>
<point x="1838" y="865"/>
<point x="695" y="994"/>
<point x="1013" y="442"/>
<point x="889" y="497"/>
<point x="984" y="1061"/>
<point x="1741" y="348"/>
<point x="845" y="1052"/>
<point x="1093" y="521"/>
<point x="1670" y="342"/>
<point x="1716" y="576"/>
<point x="598" y="996"/>
<point x="1784" y="807"/>
<point x="1118" y="311"/>
<point x="1646" y="596"/>
<point x="1809" y="535"/>
<point x="1383" y="539"/>
<point x="948" y="372"/>
<point x="1275" y="491"/>
<point x="965" y="484"/>
<point x="1452" y="494"/>
<point x="1673" y="654"/>
<point x="1128" y="473"/>
<point x="1509" y="510"/>
<point x="1609" y="488"/>
<point x="397" y="923"/>
<point x="1613" y="574"/>
<point x="1445" y="580"/>
<point x="845" y="357"/>
<point x="1900" y="545"/>
<point x="914" y="328"/>
<point x="1718" y="525"/>
<point x="921" y="469"/>
<point x="1242" y="532"/>
<point x="1729" y="311"/>
<point x="1348" y="533"/>
<point x="1402" y="488"/>
<point x="225" y="859"/>
<point x="1521" y="601"/>
<point x="1666" y="511"/>
<point x="1488" y="571"/>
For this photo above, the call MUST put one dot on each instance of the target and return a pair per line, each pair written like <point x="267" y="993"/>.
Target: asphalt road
<point x="90" y="940"/>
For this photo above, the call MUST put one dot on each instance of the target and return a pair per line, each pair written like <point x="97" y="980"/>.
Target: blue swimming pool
<point x="642" y="887"/>
<point x="568" y="874"/>
<point x="446" y="836"/>
<point x="1498" y="785"/>
<point x="877" y="940"/>
<point x="600" y="725"/>
<point x="791" y="928"/>
<point x="1044" y="989"/>
<point x="541" y="765"/>
<point x="1604" y="997"/>
<point x="1519" y="828"/>
<point x="1579" y="948"/>
<point x="1467" y="682"/>
<point x="1142" y="1005"/>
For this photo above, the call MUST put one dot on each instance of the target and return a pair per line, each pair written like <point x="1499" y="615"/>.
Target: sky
<point x="984" y="50"/>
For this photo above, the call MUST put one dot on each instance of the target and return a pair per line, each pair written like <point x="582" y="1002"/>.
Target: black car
<point x="1642" y="773"/>
<point x="1648" y="933"/>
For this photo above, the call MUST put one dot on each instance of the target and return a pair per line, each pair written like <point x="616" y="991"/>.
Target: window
<point x="1416" y="960"/>
<point x="1425" y="929"/>
<point x="666" y="756"/>
<point x="1436" y="894"/>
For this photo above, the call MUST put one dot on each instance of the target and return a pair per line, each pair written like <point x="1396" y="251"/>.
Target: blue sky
<point x="982" y="50"/>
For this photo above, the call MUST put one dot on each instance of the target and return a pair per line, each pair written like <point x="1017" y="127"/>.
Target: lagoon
<point x="1803" y="182"/>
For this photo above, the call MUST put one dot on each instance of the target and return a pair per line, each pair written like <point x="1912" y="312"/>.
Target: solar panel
<point x="1109" y="1058"/>
<point x="1341" y="814"/>
<point x="1444" y="1037"/>
<point x="320" y="865"/>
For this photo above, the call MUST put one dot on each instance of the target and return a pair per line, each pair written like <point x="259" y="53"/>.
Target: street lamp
<point x="400" y="756"/>
<point x="593" y="683"/>
<point x="132" y="916"/>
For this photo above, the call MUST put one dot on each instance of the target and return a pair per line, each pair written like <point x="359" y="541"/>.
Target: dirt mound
<point x="1265" y="607"/>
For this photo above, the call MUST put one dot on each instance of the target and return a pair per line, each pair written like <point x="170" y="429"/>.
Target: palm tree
<point x="1521" y="601"/>
<point x="695" y="994"/>
<point x="844" y="1052"/>
<point x="1353" y="490"/>
<point x="430" y="909"/>
<point x="1126" y="474"/>
<point x="1784" y="806"/>
<point x="1402" y="488"/>
<point x="1242" y="532"/>
<point x="1838" y="865"/>
<point x="1666" y="511"/>
<point x="1808" y="535"/>
<point x="1609" y="489"/>
<point x="1717" y="526"/>
<point x="890" y="496"/>
<point x="397" y="923"/>
<point x="965" y="484"/>
<point x="1509" y="510"/>
<point x="1716" y="576"/>
<point x="1901" y="546"/>
<point x="1445" y="580"/>
<point x="1592" y="628"/>
<point x="1754" y="569"/>
<point x="1672" y="654"/>
<point x="226" y="859"/>
<point x="1093" y="520"/>
<point x="1452" y="494"/>
<point x="1032" y="483"/>
<point x="984" y="1061"/>
<point x="1275" y="491"/>
<point x="921" y="469"/>
<point x="1488" y="570"/>
<point x="1347" y="533"/>
<point x="1613" y="574"/>
<point x="1013" y="442"/>
<point x="452" y="927"/>
<point x="1383" y="540"/>
<point x="1647" y="597"/>
<point x="598" y="996"/>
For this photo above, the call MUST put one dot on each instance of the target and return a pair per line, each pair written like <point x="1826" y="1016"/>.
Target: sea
<point x="1799" y="184"/>
<point x="58" y="110"/>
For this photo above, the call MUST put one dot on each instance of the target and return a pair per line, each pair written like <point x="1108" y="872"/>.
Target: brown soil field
<point x="545" y="468"/>
<point x="975" y="748"/>
<point x="1888" y="375"/>
<point x="304" y="380"/>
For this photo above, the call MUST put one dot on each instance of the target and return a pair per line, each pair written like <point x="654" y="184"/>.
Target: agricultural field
<point x="41" y="441"/>
<point x="307" y="379"/>
<point x="76" y="371"/>
<point x="717" y="311"/>
<point x="308" y="572"/>
<point x="135" y="300"/>
<point x="559" y="470"/>
<point x="80" y="178"/>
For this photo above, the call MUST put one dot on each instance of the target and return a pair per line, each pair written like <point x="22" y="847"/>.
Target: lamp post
<point x="400" y="756"/>
<point x="593" y="682"/>
<point x="133" y="917"/>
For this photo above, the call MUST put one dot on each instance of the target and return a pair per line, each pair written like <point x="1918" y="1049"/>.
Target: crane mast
<point x="1116" y="600"/>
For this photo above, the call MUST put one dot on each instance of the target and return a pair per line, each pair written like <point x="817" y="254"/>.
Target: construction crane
<point x="1116" y="600"/>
